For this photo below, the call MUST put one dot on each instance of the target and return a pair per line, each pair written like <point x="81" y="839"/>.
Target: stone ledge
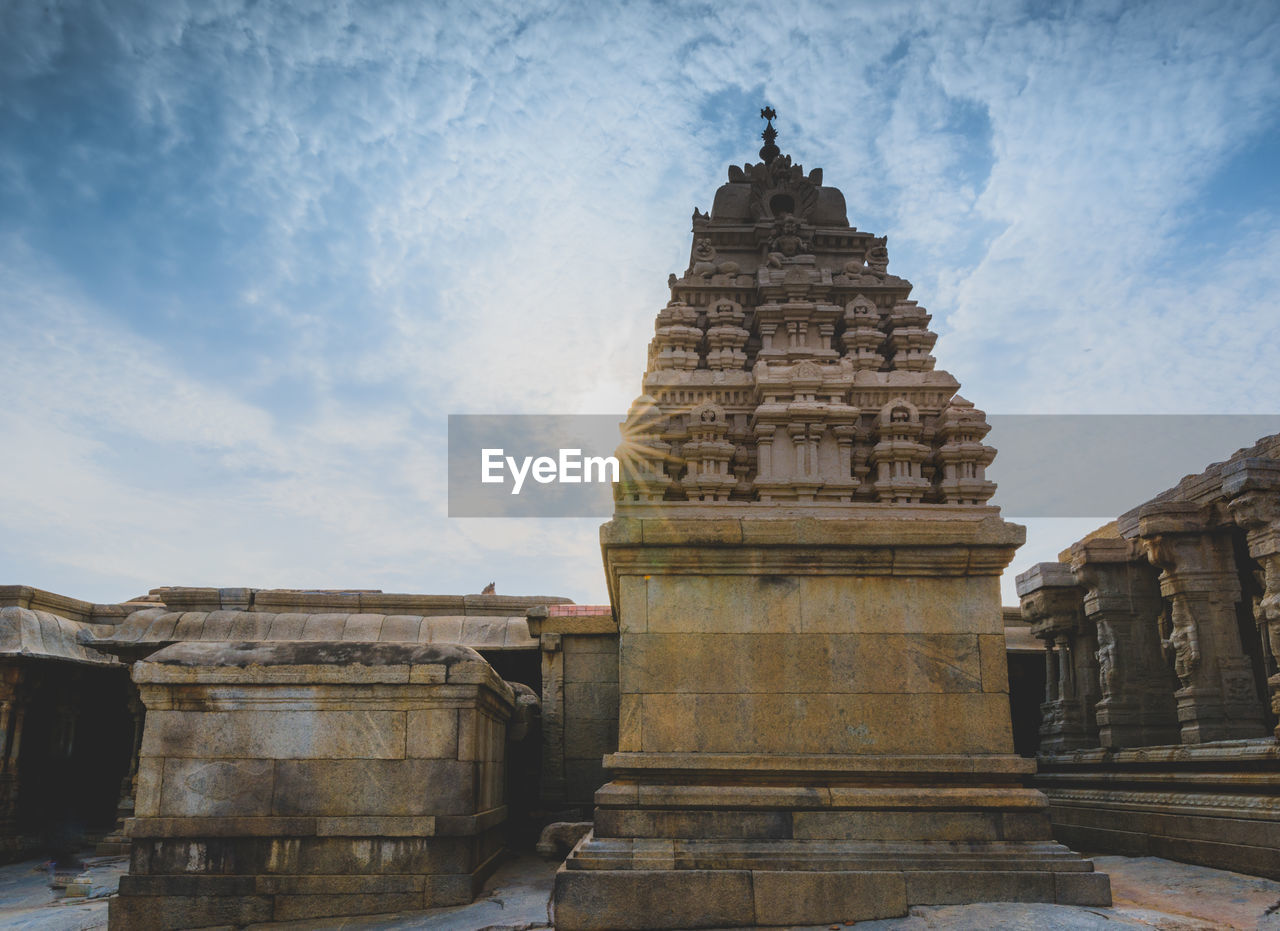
<point x="349" y="602"/>
<point x="847" y="559"/>
<point x="1217" y="753"/>
<point x="698" y="524"/>
<point x="153" y="628"/>
<point x="583" y="620"/>
<point x="341" y="663"/>
<point x="821" y="764"/>
<point x="609" y="853"/>
<point x="802" y="797"/>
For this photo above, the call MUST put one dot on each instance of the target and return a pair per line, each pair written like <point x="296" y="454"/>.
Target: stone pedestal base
<point x="304" y="780"/>
<point x="813" y="724"/>
<point x="1215" y="804"/>
<point x="290" y="878"/>
<point x="810" y="840"/>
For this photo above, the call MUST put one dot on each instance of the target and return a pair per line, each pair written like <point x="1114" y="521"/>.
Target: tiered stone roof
<point x="790" y="366"/>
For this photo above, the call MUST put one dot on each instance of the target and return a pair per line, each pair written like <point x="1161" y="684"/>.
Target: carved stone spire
<point x="788" y="321"/>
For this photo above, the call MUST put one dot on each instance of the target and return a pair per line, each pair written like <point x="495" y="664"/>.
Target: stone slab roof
<point x="1203" y="487"/>
<point x="37" y="599"/>
<point x="1021" y="640"/>
<point x="45" y="635"/>
<point x="161" y="627"/>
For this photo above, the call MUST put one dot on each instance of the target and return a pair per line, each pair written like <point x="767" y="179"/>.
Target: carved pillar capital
<point x="1199" y="577"/>
<point x="1190" y="548"/>
<point x="1252" y="488"/>
<point x="1051" y="603"/>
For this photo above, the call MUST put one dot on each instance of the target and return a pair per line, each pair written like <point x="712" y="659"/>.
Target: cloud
<point x="270" y="248"/>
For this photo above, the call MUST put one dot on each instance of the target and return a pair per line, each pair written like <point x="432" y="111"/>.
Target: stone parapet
<point x="290" y="601"/>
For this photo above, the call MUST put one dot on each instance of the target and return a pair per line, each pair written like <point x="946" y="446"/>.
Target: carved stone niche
<point x="726" y="337"/>
<point x="708" y="453"/>
<point x="899" y="455"/>
<point x="962" y="456"/>
<point x="1200" y="581"/>
<point x="862" y="336"/>
<point x="1252" y="487"/>
<point x="1122" y="600"/>
<point x="1052" y="604"/>
<point x="676" y="339"/>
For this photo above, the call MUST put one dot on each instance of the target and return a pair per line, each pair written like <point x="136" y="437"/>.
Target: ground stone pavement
<point x="1149" y="893"/>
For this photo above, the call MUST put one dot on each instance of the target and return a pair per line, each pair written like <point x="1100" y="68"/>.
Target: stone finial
<point x="769" y="151"/>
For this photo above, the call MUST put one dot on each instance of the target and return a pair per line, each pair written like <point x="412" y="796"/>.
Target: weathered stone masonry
<point x="1158" y="732"/>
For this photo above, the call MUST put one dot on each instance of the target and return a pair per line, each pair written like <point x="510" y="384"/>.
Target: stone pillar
<point x="1051" y="603"/>
<point x="117" y="842"/>
<point x="553" y="782"/>
<point x="1253" y="489"/>
<point x="12" y="712"/>
<point x="1122" y="602"/>
<point x="1050" y="673"/>
<point x="1200" y="581"/>
<point x="580" y="701"/>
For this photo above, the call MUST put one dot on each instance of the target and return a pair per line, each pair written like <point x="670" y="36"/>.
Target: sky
<point x="253" y="254"/>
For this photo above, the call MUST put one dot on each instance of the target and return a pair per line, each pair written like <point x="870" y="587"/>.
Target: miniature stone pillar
<point x="1122" y="600"/>
<point x="553" y="781"/>
<point x="1253" y="486"/>
<point x="1051" y="603"/>
<point x="1199" y="578"/>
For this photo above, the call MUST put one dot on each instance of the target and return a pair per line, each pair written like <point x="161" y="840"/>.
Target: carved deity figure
<point x="1106" y="659"/>
<point x="788" y="242"/>
<point x="1267" y="614"/>
<point x="1179" y="638"/>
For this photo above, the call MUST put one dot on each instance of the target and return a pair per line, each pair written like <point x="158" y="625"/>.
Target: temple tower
<point x="814" y="721"/>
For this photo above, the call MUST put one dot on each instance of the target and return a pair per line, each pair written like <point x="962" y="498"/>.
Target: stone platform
<point x="802" y="842"/>
<point x="1149" y="893"/>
